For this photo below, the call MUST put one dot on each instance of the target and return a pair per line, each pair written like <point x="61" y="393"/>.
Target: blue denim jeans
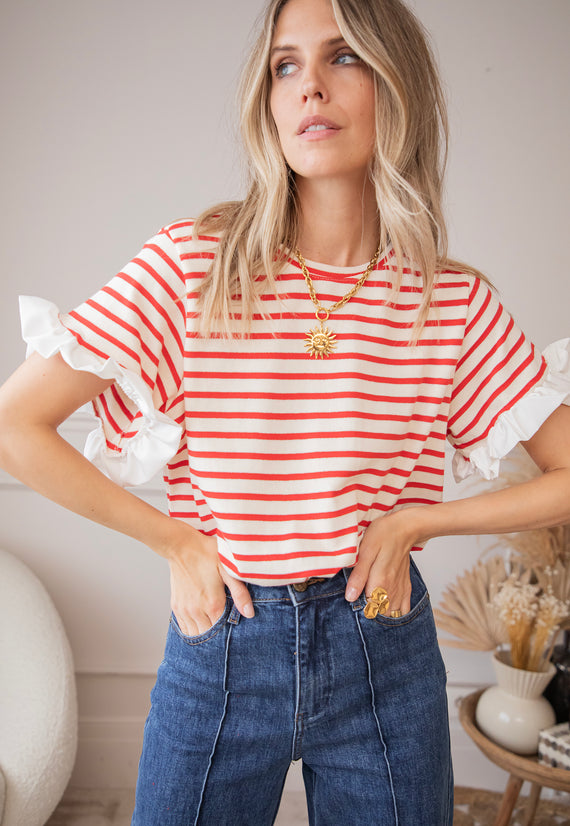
<point x="362" y="702"/>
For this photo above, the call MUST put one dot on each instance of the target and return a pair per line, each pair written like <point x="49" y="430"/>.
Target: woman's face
<point x="322" y="95"/>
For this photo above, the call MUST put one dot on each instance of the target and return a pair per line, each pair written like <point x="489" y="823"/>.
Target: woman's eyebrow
<point x="289" y="47"/>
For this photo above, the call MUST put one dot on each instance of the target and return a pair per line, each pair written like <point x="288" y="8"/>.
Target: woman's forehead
<point x="305" y="19"/>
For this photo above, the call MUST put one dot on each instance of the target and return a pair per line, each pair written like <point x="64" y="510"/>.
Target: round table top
<point x="526" y="767"/>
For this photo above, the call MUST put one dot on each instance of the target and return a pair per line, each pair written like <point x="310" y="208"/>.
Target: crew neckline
<point x="316" y="268"/>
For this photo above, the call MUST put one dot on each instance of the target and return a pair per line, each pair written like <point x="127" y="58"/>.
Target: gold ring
<point x="395" y="614"/>
<point x="378" y="603"/>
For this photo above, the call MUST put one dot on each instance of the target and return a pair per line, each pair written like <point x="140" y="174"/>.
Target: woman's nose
<point x="313" y="85"/>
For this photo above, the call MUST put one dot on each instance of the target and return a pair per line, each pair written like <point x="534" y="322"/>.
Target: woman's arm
<point x="539" y="503"/>
<point x="35" y="400"/>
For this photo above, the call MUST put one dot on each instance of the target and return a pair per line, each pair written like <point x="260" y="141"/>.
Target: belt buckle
<point x="301" y="587"/>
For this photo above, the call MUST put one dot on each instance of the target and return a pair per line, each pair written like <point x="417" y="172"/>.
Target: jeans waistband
<point x="316" y="588"/>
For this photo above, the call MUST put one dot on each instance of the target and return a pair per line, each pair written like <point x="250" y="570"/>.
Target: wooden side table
<point x="520" y="768"/>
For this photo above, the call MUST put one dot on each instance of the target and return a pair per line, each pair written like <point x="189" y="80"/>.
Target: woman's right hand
<point x="34" y="401"/>
<point x="197" y="580"/>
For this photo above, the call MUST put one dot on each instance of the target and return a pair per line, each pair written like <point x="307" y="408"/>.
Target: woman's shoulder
<point x="459" y="274"/>
<point x="184" y="242"/>
<point x="185" y="231"/>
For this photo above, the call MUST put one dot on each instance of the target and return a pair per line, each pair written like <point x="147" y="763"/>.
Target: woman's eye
<point x="347" y="57"/>
<point x="284" y="69"/>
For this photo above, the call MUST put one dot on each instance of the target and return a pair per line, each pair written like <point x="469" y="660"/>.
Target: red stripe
<point x="289" y="555"/>
<point x="372" y="282"/>
<point x="107" y="414"/>
<point x="200" y="374"/>
<point x="186" y="223"/>
<point x="343" y="434"/>
<point x="338" y="414"/>
<point x="294" y="477"/>
<point x="162" y="390"/>
<point x="248" y="496"/>
<point x="283" y="537"/>
<point x="197" y="256"/>
<point x="296" y="457"/>
<point x="291" y="397"/>
<point x="119" y="401"/>
<point x="272" y="577"/>
<point x="418" y="500"/>
<point x="289" y="517"/>
<point x="302" y="356"/>
<point x="362" y="300"/>
<point x="353" y="336"/>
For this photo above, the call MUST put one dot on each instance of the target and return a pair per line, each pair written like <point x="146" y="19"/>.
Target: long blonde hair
<point x="407" y="167"/>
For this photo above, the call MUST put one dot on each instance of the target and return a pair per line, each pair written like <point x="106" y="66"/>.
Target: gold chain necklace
<point x="321" y="341"/>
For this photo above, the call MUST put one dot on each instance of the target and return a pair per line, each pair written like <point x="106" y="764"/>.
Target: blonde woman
<point x="296" y="361"/>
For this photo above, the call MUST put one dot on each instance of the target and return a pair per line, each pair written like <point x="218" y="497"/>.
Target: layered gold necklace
<point x="321" y="341"/>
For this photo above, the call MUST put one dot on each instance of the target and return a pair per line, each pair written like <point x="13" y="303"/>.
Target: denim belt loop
<point x="359" y="602"/>
<point x="234" y="616"/>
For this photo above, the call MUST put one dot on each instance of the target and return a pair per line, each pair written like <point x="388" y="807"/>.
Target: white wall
<point x="118" y="118"/>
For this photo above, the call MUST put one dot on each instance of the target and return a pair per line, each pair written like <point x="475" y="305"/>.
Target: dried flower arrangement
<point x="532" y="618"/>
<point x="522" y="602"/>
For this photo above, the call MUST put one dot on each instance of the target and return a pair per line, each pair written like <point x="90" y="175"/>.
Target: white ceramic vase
<point x="514" y="712"/>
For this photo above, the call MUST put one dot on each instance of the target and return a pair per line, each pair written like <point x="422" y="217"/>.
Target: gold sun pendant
<point x="320" y="342"/>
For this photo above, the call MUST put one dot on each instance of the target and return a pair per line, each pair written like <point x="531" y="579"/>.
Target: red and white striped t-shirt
<point x="286" y="458"/>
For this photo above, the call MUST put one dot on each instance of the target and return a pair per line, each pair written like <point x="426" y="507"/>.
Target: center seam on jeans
<point x="298" y="736"/>
<point x="373" y="704"/>
<point x="217" y="737"/>
<point x="299" y="718"/>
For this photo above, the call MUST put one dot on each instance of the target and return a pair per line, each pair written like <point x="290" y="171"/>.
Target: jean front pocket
<point x="406" y="645"/>
<point x="198" y="639"/>
<point x="419" y="600"/>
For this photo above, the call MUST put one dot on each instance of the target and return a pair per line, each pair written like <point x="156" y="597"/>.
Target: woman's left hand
<point x="384" y="561"/>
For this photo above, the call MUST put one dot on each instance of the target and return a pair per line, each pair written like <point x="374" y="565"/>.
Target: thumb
<point x="240" y="594"/>
<point x="359" y="576"/>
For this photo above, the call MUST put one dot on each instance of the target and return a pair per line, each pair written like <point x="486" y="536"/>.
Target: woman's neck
<point x="339" y="222"/>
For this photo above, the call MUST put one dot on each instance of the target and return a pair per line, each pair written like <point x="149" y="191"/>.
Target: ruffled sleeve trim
<point x="522" y="420"/>
<point x="157" y="438"/>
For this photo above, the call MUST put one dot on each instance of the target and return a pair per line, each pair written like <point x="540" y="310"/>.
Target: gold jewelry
<point x="321" y="341"/>
<point x="395" y="614"/>
<point x="378" y="603"/>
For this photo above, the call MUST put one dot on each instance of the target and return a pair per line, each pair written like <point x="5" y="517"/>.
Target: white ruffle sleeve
<point x="157" y="436"/>
<point x="521" y="421"/>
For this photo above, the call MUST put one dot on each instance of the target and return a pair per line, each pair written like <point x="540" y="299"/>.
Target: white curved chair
<point x="38" y="706"/>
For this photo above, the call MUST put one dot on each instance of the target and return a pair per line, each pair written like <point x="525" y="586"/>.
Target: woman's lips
<point x="317" y="126"/>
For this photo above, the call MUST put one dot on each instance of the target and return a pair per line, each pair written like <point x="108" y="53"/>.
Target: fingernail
<point x="248" y="611"/>
<point x="351" y="594"/>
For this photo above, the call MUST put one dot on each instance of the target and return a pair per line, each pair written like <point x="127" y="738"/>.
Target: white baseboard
<point x="113" y="708"/>
<point x="112" y="712"/>
<point x="108" y="754"/>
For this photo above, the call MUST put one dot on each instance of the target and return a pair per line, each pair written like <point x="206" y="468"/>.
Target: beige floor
<point x="114" y="808"/>
<point x="473" y="808"/>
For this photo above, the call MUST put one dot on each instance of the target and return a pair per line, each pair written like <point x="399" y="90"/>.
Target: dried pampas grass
<point x="466" y="609"/>
<point x="469" y="608"/>
<point x="556" y="580"/>
<point x="538" y="548"/>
